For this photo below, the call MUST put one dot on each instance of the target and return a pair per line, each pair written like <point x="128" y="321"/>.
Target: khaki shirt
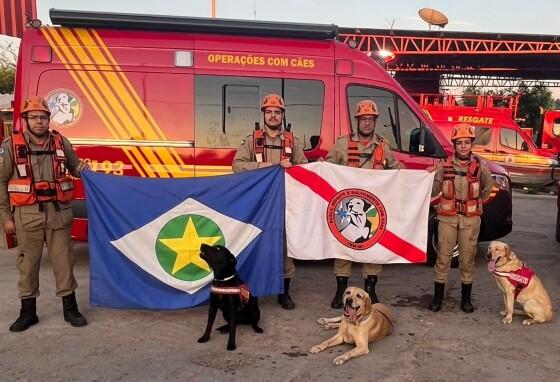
<point x="42" y="168"/>
<point x="339" y="153"/>
<point x="245" y="157"/>
<point x="461" y="185"/>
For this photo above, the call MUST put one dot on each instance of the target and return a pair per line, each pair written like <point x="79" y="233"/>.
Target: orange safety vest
<point x="377" y="156"/>
<point x="259" y="145"/>
<point x="25" y="190"/>
<point x="448" y="204"/>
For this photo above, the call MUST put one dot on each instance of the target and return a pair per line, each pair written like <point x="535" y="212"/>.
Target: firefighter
<point x="268" y="147"/>
<point x="35" y="194"/>
<point x="465" y="183"/>
<point x="364" y="149"/>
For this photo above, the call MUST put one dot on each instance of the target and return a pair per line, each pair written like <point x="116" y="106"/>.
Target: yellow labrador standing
<point x="518" y="283"/>
<point x="361" y="324"/>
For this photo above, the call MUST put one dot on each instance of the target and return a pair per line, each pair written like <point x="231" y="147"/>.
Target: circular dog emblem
<point x="357" y="218"/>
<point x="65" y="107"/>
<point x="178" y="246"/>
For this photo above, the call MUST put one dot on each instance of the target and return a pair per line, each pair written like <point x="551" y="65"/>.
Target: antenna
<point x="390" y="23"/>
<point x="433" y="17"/>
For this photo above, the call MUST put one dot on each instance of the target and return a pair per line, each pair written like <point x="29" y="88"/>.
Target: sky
<point x="513" y="16"/>
<point x="505" y="16"/>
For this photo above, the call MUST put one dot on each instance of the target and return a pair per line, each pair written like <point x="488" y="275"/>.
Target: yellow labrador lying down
<point x="518" y="283"/>
<point x="361" y="324"/>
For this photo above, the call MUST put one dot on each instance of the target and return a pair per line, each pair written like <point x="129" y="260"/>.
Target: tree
<point x="8" y="58"/>
<point x="530" y="102"/>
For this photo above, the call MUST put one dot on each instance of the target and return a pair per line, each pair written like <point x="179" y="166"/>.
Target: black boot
<point x="341" y="284"/>
<point x="284" y="299"/>
<point x="71" y="312"/>
<point x="369" y="286"/>
<point x="27" y="315"/>
<point x="466" y="305"/>
<point x="435" y="306"/>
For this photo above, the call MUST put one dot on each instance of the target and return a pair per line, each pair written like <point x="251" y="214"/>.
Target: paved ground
<point x="161" y="345"/>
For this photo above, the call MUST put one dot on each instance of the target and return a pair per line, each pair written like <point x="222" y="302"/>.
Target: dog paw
<point x="503" y="312"/>
<point x="322" y="321"/>
<point x="203" y="339"/>
<point x="339" y="360"/>
<point x="506" y="320"/>
<point x="315" y="349"/>
<point x="230" y="347"/>
<point x="527" y="322"/>
<point x="258" y="329"/>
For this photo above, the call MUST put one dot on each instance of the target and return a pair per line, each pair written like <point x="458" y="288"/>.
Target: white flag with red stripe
<point x="367" y="216"/>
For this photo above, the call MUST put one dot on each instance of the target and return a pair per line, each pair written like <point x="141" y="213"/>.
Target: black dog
<point x="229" y="294"/>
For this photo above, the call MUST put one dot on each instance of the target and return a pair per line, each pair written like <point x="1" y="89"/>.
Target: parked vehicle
<point x="498" y="137"/>
<point x="555" y="175"/>
<point x="548" y="136"/>
<point x="159" y="96"/>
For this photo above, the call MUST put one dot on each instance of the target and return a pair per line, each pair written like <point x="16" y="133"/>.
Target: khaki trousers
<point x="344" y="268"/>
<point x="32" y="230"/>
<point x="462" y="231"/>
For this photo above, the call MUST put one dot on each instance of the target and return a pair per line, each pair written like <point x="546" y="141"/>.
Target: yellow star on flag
<point x="187" y="248"/>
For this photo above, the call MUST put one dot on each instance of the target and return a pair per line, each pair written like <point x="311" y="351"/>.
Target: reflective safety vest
<point x="449" y="205"/>
<point x="25" y="190"/>
<point x="260" y="145"/>
<point x="377" y="156"/>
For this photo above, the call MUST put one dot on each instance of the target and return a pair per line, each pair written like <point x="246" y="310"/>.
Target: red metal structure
<point x="418" y="53"/>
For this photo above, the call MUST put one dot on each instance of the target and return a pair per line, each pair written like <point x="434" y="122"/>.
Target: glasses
<point x="42" y="118"/>
<point x="367" y="119"/>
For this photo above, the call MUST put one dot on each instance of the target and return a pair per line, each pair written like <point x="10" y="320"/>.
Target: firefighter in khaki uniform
<point x="35" y="194"/>
<point x="267" y="148"/>
<point x="365" y="149"/>
<point x="465" y="183"/>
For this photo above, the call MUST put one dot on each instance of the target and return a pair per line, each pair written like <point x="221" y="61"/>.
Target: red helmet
<point x="35" y="103"/>
<point x="272" y="100"/>
<point x="462" y="130"/>
<point x="366" y="107"/>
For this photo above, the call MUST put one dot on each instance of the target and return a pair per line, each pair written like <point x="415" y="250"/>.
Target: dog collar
<point x="241" y="290"/>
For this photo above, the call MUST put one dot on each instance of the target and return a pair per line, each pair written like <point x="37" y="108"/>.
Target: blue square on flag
<point x="145" y="236"/>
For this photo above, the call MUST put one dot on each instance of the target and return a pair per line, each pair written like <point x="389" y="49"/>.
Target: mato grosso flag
<point x="145" y="235"/>
<point x="368" y="216"/>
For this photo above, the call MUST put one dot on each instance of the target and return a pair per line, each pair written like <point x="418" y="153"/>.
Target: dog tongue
<point x="491" y="266"/>
<point x="350" y="313"/>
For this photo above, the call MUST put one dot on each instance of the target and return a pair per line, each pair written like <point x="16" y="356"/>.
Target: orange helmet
<point x="272" y="100"/>
<point x="366" y="107"/>
<point x="35" y="103"/>
<point x="462" y="130"/>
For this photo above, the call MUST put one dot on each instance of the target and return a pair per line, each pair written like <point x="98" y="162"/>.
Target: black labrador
<point x="229" y="294"/>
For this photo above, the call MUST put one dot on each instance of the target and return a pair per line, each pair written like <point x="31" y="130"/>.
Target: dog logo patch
<point x="178" y="246"/>
<point x="357" y="218"/>
<point x="65" y="107"/>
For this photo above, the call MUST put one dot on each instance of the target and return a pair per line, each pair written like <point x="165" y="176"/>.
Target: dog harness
<point x="519" y="278"/>
<point x="241" y="290"/>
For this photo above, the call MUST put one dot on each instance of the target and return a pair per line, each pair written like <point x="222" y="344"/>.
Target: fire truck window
<point x="556" y="127"/>
<point x="483" y="135"/>
<point x="304" y="109"/>
<point x="512" y="139"/>
<point x="386" y="125"/>
<point x="226" y="108"/>
<point x="409" y="129"/>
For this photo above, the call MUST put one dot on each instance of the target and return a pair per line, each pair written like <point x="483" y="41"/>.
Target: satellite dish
<point x="433" y="17"/>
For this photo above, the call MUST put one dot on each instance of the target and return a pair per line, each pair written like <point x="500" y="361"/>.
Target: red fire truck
<point x="159" y="96"/>
<point x="548" y="137"/>
<point x="498" y="137"/>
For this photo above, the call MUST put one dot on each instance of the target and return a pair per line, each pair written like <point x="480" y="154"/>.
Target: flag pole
<point x="213" y="8"/>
